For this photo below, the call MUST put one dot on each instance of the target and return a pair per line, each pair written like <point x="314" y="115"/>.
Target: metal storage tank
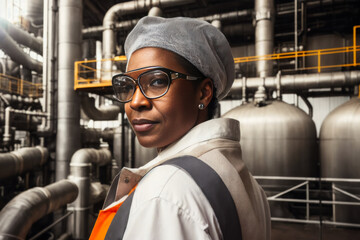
<point x="339" y="155"/>
<point x="277" y="139"/>
<point x="340" y="141"/>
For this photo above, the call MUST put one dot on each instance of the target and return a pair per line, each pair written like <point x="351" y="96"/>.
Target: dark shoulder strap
<point x="215" y="191"/>
<point x="211" y="185"/>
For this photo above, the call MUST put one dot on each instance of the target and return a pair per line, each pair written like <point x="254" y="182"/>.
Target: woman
<point x="177" y="69"/>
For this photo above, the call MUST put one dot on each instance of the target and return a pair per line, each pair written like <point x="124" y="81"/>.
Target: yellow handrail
<point x="83" y="70"/>
<point x="21" y="87"/>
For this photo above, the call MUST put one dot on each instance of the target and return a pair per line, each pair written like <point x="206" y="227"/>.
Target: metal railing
<point x="20" y="87"/>
<point x="304" y="182"/>
<point x="92" y="74"/>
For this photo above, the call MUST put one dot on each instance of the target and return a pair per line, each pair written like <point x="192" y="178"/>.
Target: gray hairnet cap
<point x="197" y="41"/>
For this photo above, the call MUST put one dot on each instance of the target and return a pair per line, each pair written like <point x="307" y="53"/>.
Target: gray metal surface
<point x="68" y="125"/>
<point x="264" y="35"/>
<point x="277" y="139"/>
<point x="340" y="141"/>
<point x="17" y="217"/>
<point x="23" y="160"/>
<point x="80" y="169"/>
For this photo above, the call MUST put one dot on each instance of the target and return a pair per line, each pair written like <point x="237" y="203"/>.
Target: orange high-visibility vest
<point x="104" y="220"/>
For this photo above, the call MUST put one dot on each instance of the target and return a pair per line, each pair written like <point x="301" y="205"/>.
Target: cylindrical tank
<point x="339" y="155"/>
<point x="340" y="141"/>
<point x="277" y="139"/>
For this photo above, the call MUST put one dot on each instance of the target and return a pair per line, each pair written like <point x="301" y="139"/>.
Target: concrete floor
<point x="295" y="231"/>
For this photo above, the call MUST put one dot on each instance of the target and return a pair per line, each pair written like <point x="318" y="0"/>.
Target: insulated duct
<point x="103" y="112"/>
<point x="292" y="83"/>
<point x="17" y="217"/>
<point x="9" y="46"/>
<point x="80" y="168"/>
<point x="68" y="125"/>
<point x="21" y="36"/>
<point x="264" y="34"/>
<point x="20" y="161"/>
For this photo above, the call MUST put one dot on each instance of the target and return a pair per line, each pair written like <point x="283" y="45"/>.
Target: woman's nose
<point x="139" y="101"/>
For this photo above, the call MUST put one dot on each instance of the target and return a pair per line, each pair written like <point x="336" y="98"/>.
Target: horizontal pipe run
<point x="20" y="161"/>
<point x="22" y="37"/>
<point x="17" y="217"/>
<point x="293" y="83"/>
<point x="9" y="46"/>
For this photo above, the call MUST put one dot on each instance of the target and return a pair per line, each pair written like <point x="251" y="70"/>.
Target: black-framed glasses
<point x="154" y="82"/>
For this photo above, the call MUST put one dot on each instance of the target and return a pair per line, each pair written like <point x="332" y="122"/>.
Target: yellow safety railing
<point x="310" y="53"/>
<point x="88" y="75"/>
<point x="21" y="87"/>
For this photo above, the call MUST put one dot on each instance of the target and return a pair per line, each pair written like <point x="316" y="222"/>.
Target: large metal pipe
<point x="20" y="161"/>
<point x="264" y="34"/>
<point x="9" y="46"/>
<point x="68" y="125"/>
<point x="80" y="169"/>
<point x="17" y="217"/>
<point x="94" y="31"/>
<point x="103" y="112"/>
<point x="49" y="17"/>
<point x="292" y="83"/>
<point x="7" y="126"/>
<point x="22" y="37"/>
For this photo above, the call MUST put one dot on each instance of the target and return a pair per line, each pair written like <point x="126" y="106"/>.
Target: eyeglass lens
<point x="153" y="84"/>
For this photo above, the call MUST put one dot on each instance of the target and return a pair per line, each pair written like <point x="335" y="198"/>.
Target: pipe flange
<point x="262" y="15"/>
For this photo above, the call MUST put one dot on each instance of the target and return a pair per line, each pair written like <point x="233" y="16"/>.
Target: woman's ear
<point x="206" y="91"/>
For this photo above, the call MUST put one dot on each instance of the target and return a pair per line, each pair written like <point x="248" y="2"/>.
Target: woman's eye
<point x="158" y="82"/>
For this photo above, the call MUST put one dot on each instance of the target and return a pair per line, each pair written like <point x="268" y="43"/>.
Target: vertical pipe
<point x="333" y="200"/>
<point x="264" y="35"/>
<point x="296" y="31"/>
<point x="307" y="199"/>
<point x="68" y="127"/>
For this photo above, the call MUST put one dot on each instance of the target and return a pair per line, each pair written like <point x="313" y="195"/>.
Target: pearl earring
<point x="201" y="106"/>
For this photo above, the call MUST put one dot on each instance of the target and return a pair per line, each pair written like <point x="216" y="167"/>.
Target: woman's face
<point x="159" y="122"/>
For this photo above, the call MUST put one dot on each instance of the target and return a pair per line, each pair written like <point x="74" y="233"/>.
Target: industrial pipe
<point x="293" y="83"/>
<point x="93" y="31"/>
<point x="103" y="112"/>
<point x="9" y="46"/>
<point x="17" y="217"/>
<point x="20" y="161"/>
<point x="7" y="127"/>
<point x="48" y="73"/>
<point x="80" y="169"/>
<point x="264" y="34"/>
<point x="21" y="36"/>
<point x="68" y="124"/>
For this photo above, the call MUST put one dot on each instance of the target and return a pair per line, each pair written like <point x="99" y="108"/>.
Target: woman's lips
<point x="142" y="125"/>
